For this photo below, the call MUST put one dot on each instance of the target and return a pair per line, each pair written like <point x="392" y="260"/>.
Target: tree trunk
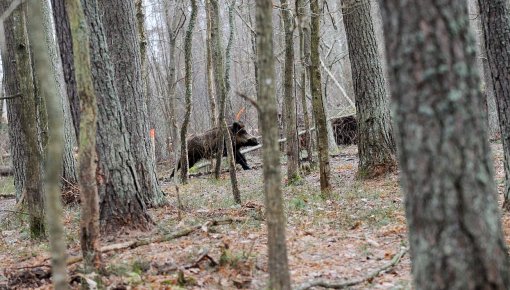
<point x="278" y="268"/>
<point x="376" y="147"/>
<point x="188" y="54"/>
<point x="290" y="102"/>
<point x="69" y="174"/>
<point x="221" y="92"/>
<point x="119" y="21"/>
<point x="447" y="174"/>
<point x="33" y="171"/>
<point x="210" y="73"/>
<point x="483" y="67"/>
<point x="121" y="201"/>
<point x="140" y="25"/>
<point x="304" y="48"/>
<point x="318" y="101"/>
<point x="495" y="19"/>
<point x="17" y="139"/>
<point x="42" y="43"/>
<point x="172" y="26"/>
<point x="89" y="217"/>
<point x="63" y="33"/>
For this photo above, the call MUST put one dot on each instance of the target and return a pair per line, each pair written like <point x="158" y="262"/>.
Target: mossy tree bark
<point x="278" y="268"/>
<point x="122" y="204"/>
<point x="45" y="72"/>
<point x="188" y="79"/>
<point x="33" y="194"/>
<point x="292" y="148"/>
<point x="495" y="17"/>
<point x="317" y="99"/>
<point x="454" y="226"/>
<point x="89" y="217"/>
<point x="376" y="147"/>
<point x="119" y="22"/>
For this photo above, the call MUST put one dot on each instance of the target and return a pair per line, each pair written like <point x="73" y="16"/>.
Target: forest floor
<point x="358" y="230"/>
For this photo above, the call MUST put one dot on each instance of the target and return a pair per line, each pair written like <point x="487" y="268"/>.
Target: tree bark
<point x="455" y="234"/>
<point x="69" y="174"/>
<point x="376" y="147"/>
<point x="33" y="171"/>
<point x="318" y="101"/>
<point x="304" y="48"/>
<point x="123" y="45"/>
<point x="483" y="67"/>
<point x="495" y="19"/>
<point x="221" y="92"/>
<point x="121" y="201"/>
<point x="43" y="47"/>
<point x="289" y="98"/>
<point x="210" y="73"/>
<point x="17" y="139"/>
<point x="278" y="268"/>
<point x="89" y="217"/>
<point x="188" y="78"/>
<point x="63" y="33"/>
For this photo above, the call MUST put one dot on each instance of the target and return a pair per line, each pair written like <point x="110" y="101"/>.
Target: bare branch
<point x="251" y="100"/>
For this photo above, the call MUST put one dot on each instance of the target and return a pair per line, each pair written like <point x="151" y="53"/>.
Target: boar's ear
<point x="237" y="126"/>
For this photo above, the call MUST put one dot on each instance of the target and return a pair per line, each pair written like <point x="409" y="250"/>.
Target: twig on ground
<point x="340" y="285"/>
<point x="13" y="211"/>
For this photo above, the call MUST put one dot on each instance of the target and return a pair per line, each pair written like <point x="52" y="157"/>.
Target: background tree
<point x="451" y="203"/>
<point x="317" y="100"/>
<point x="48" y="88"/>
<point x="189" y="90"/>
<point x="278" y="268"/>
<point x="495" y="19"/>
<point x="304" y="51"/>
<point x="63" y="33"/>
<point x="120" y="27"/>
<point x="221" y="92"/>
<point x="89" y="217"/>
<point x="290" y="101"/>
<point x="376" y="147"/>
<point x="33" y="171"/>
<point x="121" y="201"/>
<point x="14" y="105"/>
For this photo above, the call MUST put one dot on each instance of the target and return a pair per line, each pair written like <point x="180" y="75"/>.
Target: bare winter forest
<point x="254" y="144"/>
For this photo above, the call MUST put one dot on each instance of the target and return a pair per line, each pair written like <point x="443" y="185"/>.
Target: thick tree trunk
<point x="121" y="201"/>
<point x="89" y="217"/>
<point x="123" y="45"/>
<point x="278" y="268"/>
<point x="495" y="19"/>
<point x="33" y="171"/>
<point x="290" y="102"/>
<point x="317" y="100"/>
<point x="14" y="105"/>
<point x="447" y="175"/>
<point x="63" y="33"/>
<point x="376" y="147"/>
<point x="44" y="48"/>
<point x="188" y="78"/>
<point x="221" y="92"/>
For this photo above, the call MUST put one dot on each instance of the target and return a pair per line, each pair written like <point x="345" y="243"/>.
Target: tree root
<point x="344" y="284"/>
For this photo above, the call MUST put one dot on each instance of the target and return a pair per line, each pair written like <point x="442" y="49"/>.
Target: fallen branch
<point x="340" y="285"/>
<point x="161" y="239"/>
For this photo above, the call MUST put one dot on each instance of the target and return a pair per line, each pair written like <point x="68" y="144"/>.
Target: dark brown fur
<point x="205" y="146"/>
